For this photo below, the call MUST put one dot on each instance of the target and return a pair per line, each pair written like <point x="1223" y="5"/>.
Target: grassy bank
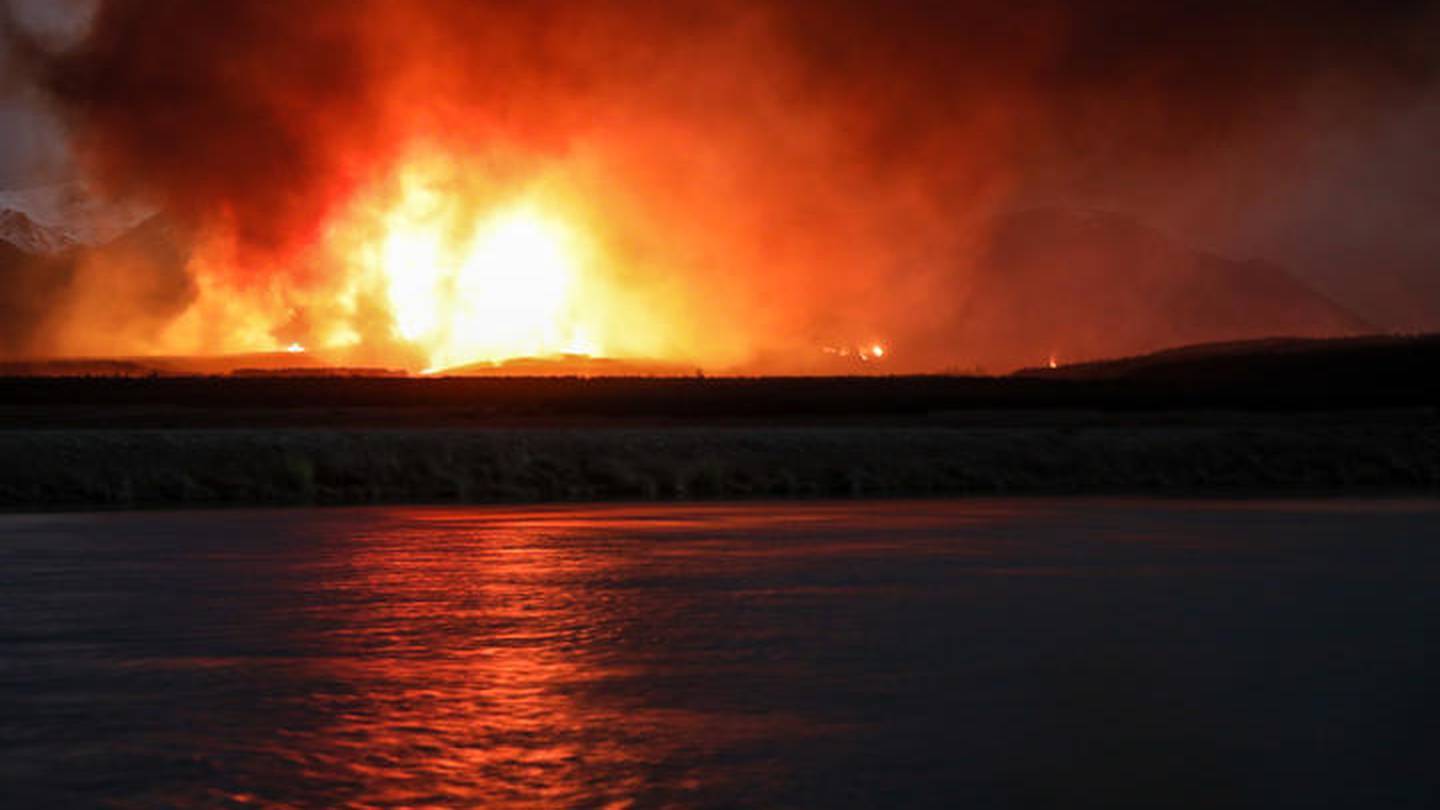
<point x="121" y="468"/>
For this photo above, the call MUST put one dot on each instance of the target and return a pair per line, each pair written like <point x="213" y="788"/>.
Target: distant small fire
<point x="865" y="352"/>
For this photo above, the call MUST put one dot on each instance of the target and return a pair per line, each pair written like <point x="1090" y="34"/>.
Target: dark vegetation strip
<point x="151" y="468"/>
<point x="1268" y="376"/>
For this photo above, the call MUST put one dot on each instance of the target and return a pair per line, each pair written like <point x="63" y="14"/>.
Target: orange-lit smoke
<point x="733" y="185"/>
<point x="431" y="185"/>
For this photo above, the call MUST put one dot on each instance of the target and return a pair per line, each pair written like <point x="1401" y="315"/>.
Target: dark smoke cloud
<point x="841" y="152"/>
<point x="246" y="111"/>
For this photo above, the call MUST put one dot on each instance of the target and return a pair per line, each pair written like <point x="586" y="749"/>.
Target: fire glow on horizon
<point x="769" y="187"/>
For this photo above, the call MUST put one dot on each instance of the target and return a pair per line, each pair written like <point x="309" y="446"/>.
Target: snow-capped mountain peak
<point x="31" y="237"/>
<point x="51" y="219"/>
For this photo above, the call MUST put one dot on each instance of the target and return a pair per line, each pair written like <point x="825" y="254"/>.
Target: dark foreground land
<point x="1262" y="418"/>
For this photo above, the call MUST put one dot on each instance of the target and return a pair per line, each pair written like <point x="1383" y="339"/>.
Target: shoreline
<point x="57" y="469"/>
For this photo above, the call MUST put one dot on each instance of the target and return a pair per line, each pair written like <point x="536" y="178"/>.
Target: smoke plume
<point x="766" y="176"/>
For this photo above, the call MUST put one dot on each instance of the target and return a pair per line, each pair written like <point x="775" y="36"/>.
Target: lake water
<point x="886" y="654"/>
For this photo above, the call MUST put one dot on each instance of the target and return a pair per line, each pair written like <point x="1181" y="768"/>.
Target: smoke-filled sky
<point x="842" y="144"/>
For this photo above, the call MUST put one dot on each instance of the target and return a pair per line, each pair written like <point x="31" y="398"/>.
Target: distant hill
<point x="1337" y="372"/>
<point x="1077" y="285"/>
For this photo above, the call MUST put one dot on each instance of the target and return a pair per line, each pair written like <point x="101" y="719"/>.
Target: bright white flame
<point x="295" y="348"/>
<point x="515" y="281"/>
<point x="504" y="293"/>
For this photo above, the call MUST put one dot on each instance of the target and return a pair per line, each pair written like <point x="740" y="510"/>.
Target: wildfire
<point x="505" y="291"/>
<point x="465" y="280"/>
<point x="446" y="262"/>
<point x="865" y="353"/>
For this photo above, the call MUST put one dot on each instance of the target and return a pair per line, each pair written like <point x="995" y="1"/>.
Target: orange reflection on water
<point x="492" y="664"/>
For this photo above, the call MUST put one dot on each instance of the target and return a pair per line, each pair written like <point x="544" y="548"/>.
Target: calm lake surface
<point x="886" y="654"/>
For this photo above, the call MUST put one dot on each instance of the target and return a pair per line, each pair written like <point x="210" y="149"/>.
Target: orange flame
<point x="439" y="266"/>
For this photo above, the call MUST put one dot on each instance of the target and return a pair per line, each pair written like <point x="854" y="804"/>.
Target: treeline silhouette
<point x="1305" y="375"/>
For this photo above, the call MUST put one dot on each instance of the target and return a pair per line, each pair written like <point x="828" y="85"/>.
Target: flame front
<point x="439" y="265"/>
<point x="446" y="261"/>
<point x="466" y="290"/>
